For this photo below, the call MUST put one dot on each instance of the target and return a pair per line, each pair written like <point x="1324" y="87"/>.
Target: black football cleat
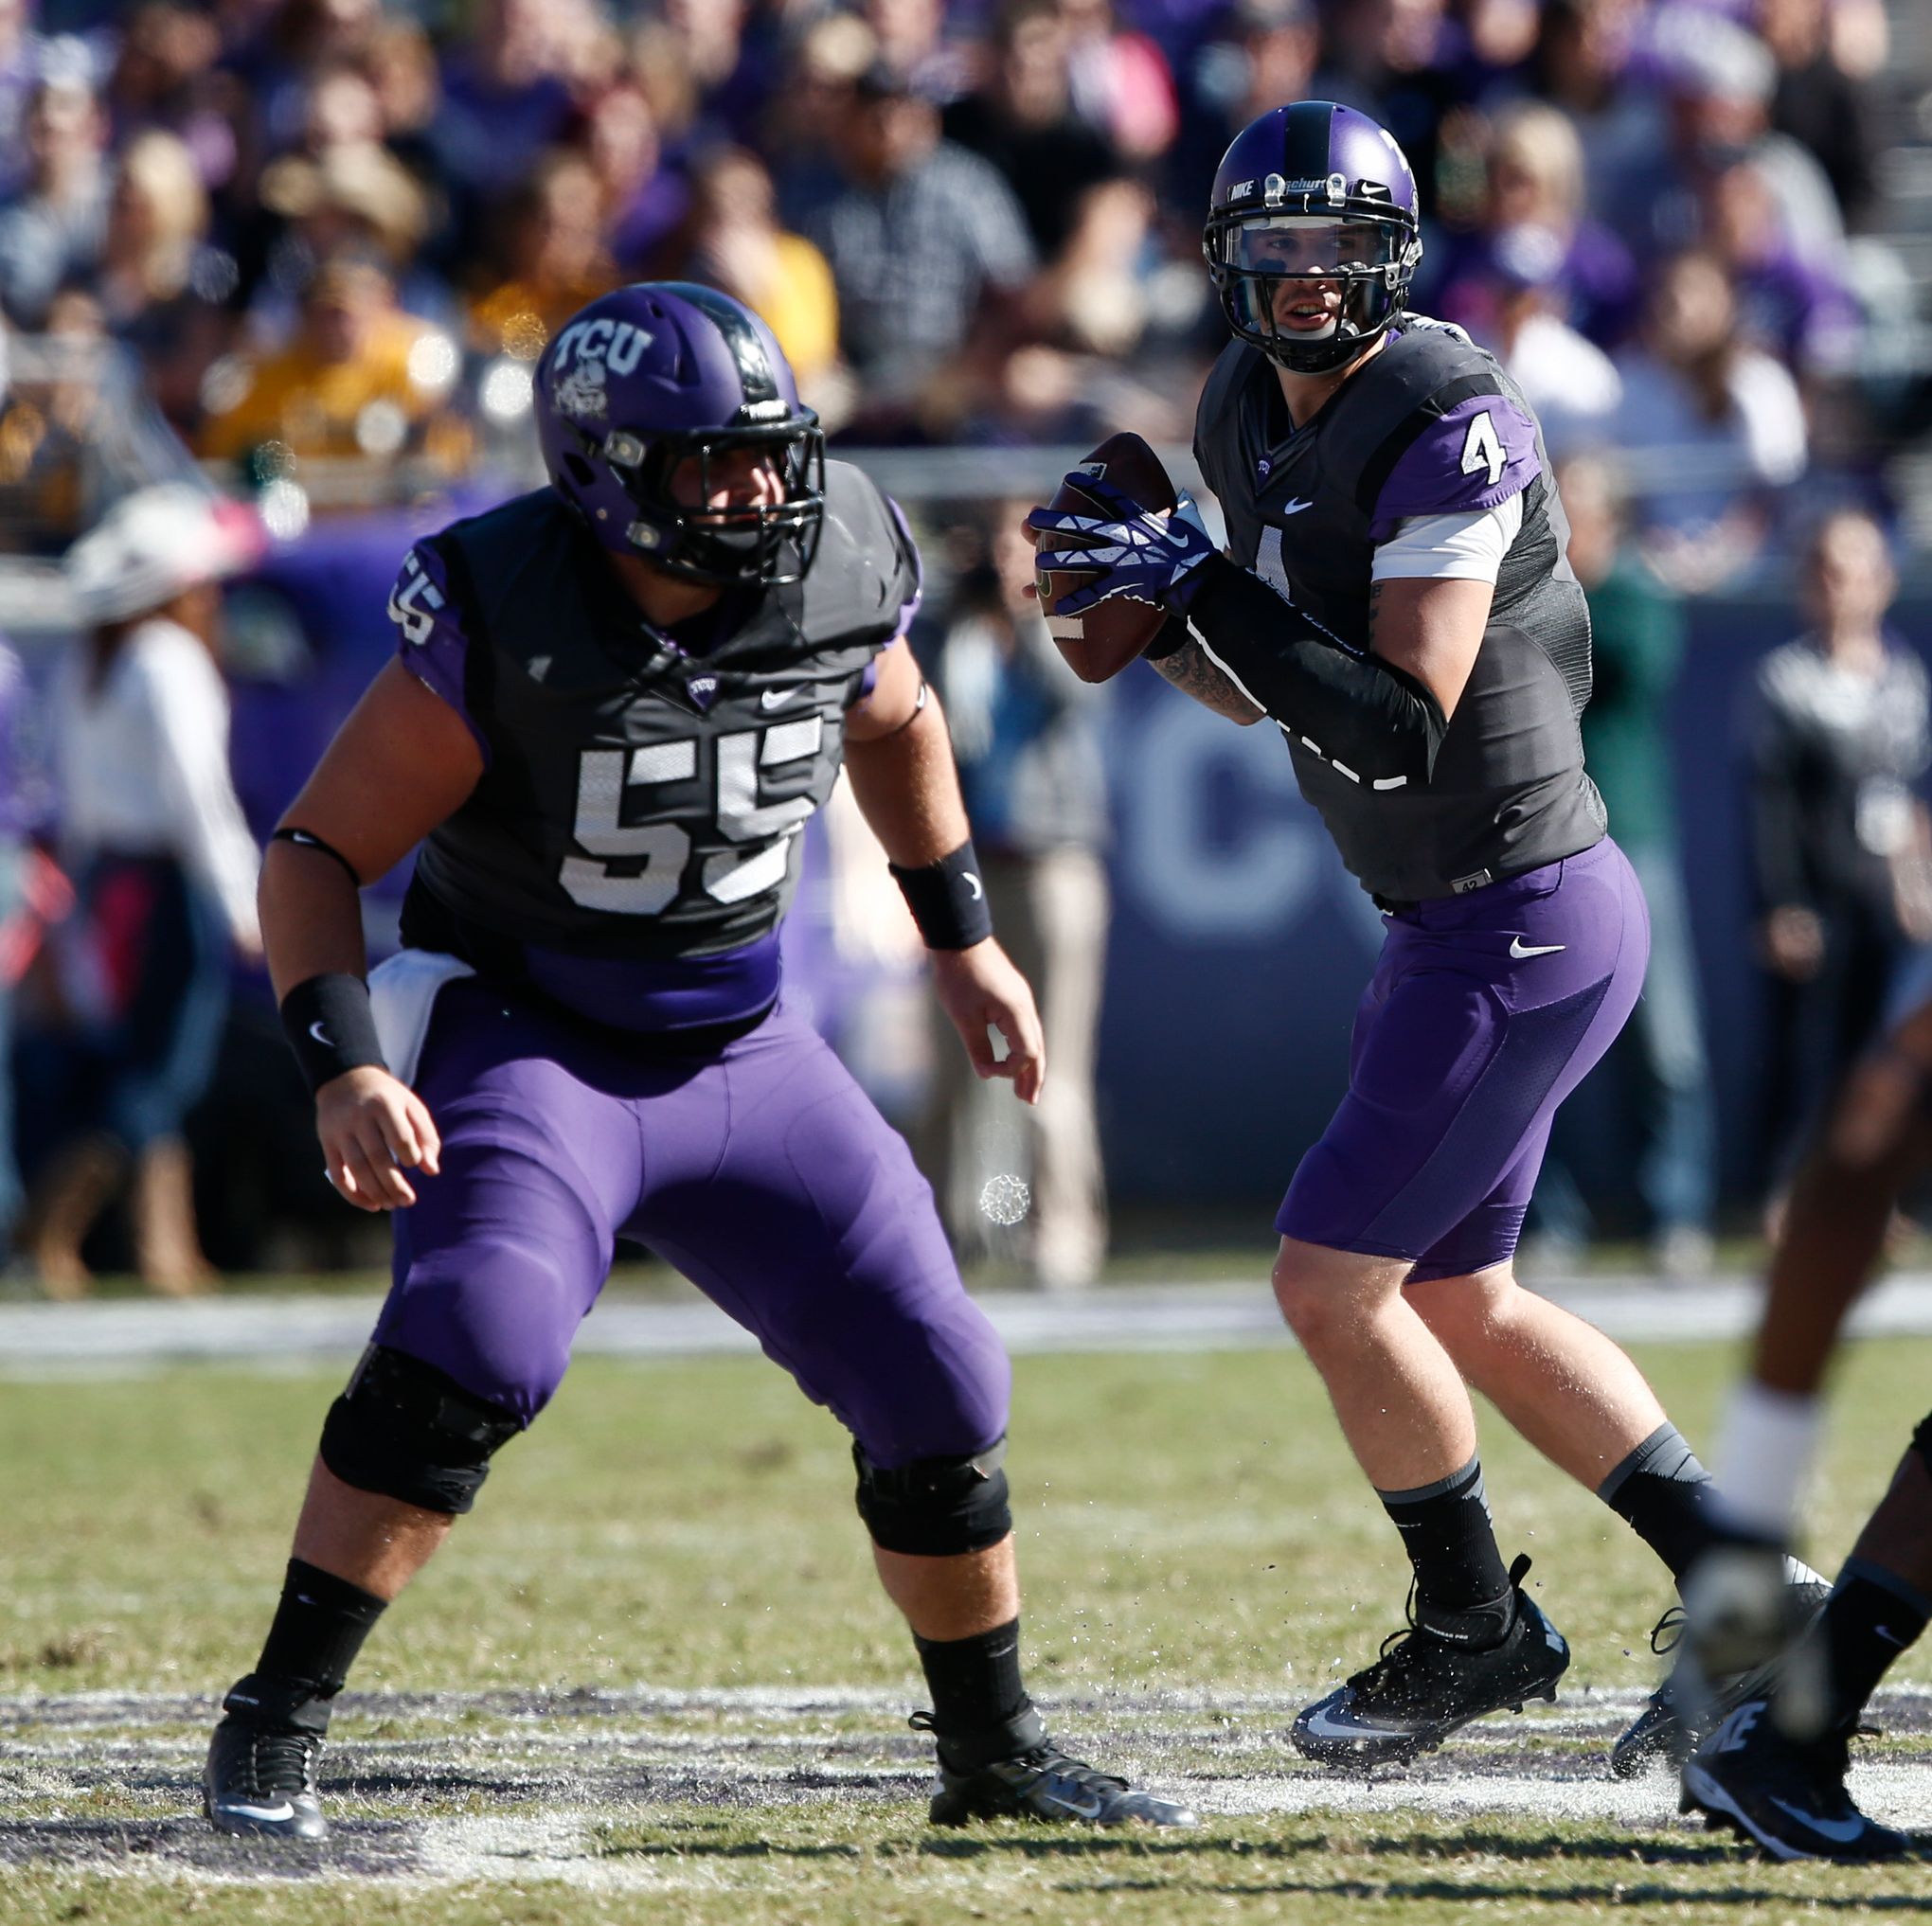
<point x="1423" y="1687"/>
<point x="259" y="1779"/>
<point x="1786" y="1799"/>
<point x="1690" y="1703"/>
<point x="1042" y="1783"/>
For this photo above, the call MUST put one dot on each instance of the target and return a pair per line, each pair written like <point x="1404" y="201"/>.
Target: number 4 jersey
<point x="1431" y="428"/>
<point x="634" y="838"/>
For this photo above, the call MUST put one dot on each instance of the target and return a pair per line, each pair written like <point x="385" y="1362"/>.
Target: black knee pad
<point x="1921" y="1441"/>
<point x="936" y="1508"/>
<point x="405" y="1430"/>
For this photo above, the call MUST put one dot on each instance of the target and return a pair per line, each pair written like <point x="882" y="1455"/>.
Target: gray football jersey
<point x="1431" y="426"/>
<point x="640" y="801"/>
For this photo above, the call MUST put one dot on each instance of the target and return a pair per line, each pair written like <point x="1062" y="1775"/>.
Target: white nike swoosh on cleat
<point x="1321" y="1724"/>
<point x="258" y="1812"/>
<point x="1842" y="1830"/>
<point x="1088" y="1808"/>
<point x="1518" y="949"/>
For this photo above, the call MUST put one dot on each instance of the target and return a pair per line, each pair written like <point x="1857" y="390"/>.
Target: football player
<point x="615" y="703"/>
<point x="1396" y="599"/>
<point x="1774" y="1769"/>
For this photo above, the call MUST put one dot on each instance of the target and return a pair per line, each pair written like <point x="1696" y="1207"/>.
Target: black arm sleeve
<point x="1375" y="722"/>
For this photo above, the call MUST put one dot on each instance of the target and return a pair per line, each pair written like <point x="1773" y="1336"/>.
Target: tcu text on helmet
<point x="618" y="344"/>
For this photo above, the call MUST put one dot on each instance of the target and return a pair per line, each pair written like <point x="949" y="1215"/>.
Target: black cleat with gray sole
<point x="259" y="1779"/>
<point x="1423" y="1687"/>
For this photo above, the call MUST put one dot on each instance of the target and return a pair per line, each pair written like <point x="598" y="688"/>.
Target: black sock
<point x="1446" y="1532"/>
<point x="1664" y="1495"/>
<point x="980" y="1709"/>
<point x="1871" y="1617"/>
<point x="319" y="1630"/>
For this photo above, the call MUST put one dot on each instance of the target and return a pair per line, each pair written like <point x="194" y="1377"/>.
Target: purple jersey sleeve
<point x="429" y="633"/>
<point x="1481" y="452"/>
<point x="912" y="572"/>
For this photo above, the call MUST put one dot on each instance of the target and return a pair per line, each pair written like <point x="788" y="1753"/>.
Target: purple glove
<point x="1142" y="555"/>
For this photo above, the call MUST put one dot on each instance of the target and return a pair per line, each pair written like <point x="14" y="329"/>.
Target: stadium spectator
<point x="1121" y="84"/>
<point x="150" y="824"/>
<point x="1263" y="52"/>
<point x="53" y="230"/>
<point x="1709" y="428"/>
<point x="1535" y="202"/>
<point x="351" y="382"/>
<point x="554" y="254"/>
<point x="1392" y="58"/>
<point x="1584" y="66"/>
<point x="731" y="240"/>
<point x="1840" y="737"/>
<point x="165" y="79"/>
<point x="1569" y="380"/>
<point x="911" y="37"/>
<point x="923" y="238"/>
<point x="16" y="916"/>
<point x="157" y="218"/>
<point x="1718" y="79"/>
<point x="644" y="199"/>
<point x="1086" y="218"/>
<point x="1803" y="315"/>
<point x="1663" y="1124"/>
<point x="503" y="103"/>
<point x="1815" y="100"/>
<point x="1025" y="735"/>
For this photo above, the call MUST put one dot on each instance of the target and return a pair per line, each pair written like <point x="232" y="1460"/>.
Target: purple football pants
<point x="761" y="1171"/>
<point x="1485" y="1011"/>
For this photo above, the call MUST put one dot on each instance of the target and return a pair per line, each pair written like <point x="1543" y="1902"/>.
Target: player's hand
<point x="1139" y="554"/>
<point x="372" y="1129"/>
<point x="979" y="988"/>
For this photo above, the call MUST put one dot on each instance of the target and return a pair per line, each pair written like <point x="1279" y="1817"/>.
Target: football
<point x="1099" y="642"/>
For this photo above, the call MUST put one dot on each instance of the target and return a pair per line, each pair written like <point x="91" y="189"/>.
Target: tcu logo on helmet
<point x="619" y="344"/>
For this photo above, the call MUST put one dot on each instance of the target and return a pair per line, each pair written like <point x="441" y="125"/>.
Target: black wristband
<point x="947" y="899"/>
<point x="331" y="1027"/>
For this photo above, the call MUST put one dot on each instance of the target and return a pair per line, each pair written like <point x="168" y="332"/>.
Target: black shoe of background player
<point x="1042" y="1782"/>
<point x="1425" y="1684"/>
<point x="1788" y="1798"/>
<point x="259" y="1779"/>
<point x="1690" y="1702"/>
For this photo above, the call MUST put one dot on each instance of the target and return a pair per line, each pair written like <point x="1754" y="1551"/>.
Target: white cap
<point x="152" y="545"/>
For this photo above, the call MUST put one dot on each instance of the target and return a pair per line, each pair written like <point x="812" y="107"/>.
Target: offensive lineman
<point x="616" y="703"/>
<point x="1397" y="599"/>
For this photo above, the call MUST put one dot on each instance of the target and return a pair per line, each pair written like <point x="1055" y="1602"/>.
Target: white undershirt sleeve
<point x="1468" y="548"/>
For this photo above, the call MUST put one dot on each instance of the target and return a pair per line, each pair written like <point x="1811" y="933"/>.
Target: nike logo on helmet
<point x="1519" y="949"/>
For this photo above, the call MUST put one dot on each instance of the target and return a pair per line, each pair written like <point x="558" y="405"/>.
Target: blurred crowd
<point x="319" y="244"/>
<point x="304" y="254"/>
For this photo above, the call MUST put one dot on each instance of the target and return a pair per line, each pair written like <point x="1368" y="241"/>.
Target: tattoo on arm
<point x="1190" y="671"/>
<point x="1374" y="609"/>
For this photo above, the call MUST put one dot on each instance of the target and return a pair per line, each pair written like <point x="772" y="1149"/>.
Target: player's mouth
<point x="1315" y="311"/>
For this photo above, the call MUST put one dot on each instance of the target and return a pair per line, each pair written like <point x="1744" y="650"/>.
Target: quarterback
<point x="615" y="703"/>
<point x="1396" y="599"/>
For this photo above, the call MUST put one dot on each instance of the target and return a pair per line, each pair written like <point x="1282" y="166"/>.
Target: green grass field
<point x="652" y="1677"/>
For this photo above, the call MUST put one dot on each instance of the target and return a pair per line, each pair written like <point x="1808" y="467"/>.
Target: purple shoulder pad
<point x="429" y="632"/>
<point x="1482" y="452"/>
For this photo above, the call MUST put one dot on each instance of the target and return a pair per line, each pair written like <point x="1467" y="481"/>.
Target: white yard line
<point x="117" y="1335"/>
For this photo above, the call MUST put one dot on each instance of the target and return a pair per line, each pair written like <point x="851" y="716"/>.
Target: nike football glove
<point x="1141" y="556"/>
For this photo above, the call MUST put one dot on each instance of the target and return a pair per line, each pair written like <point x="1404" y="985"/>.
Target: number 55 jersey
<point x="1415" y="449"/>
<point x="634" y="838"/>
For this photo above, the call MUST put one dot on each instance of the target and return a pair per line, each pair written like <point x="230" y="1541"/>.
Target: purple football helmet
<point x="1308" y="193"/>
<point x="662" y="373"/>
